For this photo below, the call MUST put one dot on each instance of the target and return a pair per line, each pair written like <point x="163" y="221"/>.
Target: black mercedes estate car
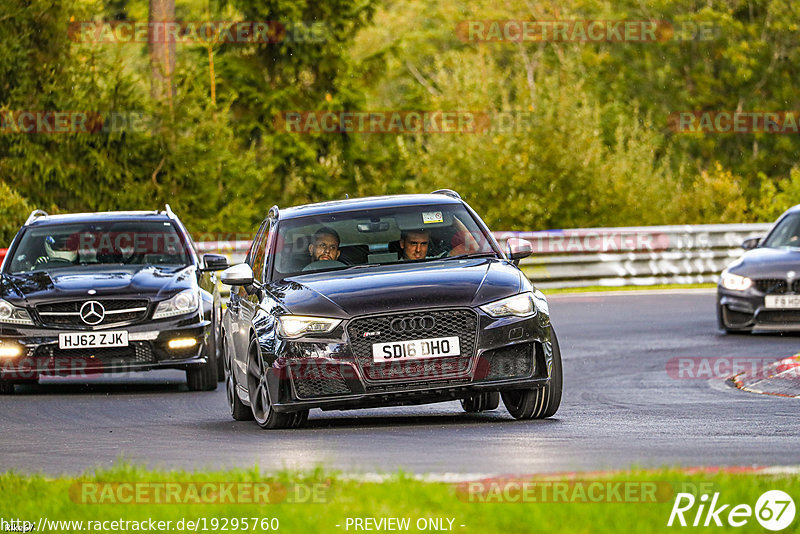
<point x="385" y="301"/>
<point x="91" y="293"/>
<point x="761" y="290"/>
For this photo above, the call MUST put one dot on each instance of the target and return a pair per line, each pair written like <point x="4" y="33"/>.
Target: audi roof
<point x="366" y="203"/>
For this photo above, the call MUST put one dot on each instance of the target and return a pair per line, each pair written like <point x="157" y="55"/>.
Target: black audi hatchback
<point x="90" y="293"/>
<point x="385" y="301"/>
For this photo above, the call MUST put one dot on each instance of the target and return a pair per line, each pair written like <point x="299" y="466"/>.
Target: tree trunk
<point x="162" y="49"/>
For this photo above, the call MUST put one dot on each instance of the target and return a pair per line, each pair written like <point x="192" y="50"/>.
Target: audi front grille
<point x="364" y="331"/>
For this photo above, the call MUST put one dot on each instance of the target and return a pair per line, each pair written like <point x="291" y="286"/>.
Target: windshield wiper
<point x="471" y="255"/>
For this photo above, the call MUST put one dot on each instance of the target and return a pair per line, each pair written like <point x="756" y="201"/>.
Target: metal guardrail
<point x="641" y="255"/>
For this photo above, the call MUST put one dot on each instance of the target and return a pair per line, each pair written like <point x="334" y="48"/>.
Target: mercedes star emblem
<point x="92" y="312"/>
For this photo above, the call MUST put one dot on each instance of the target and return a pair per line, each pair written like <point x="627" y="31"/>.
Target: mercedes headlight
<point x="521" y="305"/>
<point x="734" y="281"/>
<point x="294" y="326"/>
<point x="186" y="301"/>
<point x="11" y="314"/>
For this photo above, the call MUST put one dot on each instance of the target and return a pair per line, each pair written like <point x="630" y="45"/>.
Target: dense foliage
<point x="595" y="147"/>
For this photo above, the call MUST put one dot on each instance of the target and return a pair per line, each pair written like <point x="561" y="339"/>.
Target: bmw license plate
<point x="416" y="349"/>
<point x="93" y="340"/>
<point x="786" y="302"/>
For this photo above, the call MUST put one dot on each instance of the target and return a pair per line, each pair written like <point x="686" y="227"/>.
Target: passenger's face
<point x="415" y="246"/>
<point x="326" y="247"/>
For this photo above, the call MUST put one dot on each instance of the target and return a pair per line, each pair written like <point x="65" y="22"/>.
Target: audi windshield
<point x="379" y="236"/>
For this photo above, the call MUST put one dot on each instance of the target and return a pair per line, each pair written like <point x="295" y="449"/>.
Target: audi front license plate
<point x="94" y="340"/>
<point x="416" y="349"/>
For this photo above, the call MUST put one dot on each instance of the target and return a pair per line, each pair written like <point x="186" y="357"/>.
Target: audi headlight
<point x="186" y="301"/>
<point x="734" y="281"/>
<point x="541" y="302"/>
<point x="521" y="305"/>
<point x="13" y="315"/>
<point x="293" y="326"/>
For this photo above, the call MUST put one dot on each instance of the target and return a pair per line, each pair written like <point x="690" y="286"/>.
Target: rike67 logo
<point x="774" y="510"/>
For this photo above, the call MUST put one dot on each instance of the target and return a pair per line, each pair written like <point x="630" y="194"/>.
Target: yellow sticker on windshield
<point x="429" y="217"/>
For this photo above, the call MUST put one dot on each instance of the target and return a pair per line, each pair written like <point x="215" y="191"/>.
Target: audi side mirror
<point x="237" y="275"/>
<point x="516" y="249"/>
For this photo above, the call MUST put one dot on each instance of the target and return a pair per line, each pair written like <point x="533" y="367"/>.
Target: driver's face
<point x="326" y="247"/>
<point x="415" y="246"/>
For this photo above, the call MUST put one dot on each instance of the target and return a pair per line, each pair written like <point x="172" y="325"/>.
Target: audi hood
<point x="364" y="290"/>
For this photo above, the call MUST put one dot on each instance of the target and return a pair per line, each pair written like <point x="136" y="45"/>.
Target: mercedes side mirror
<point x="214" y="262"/>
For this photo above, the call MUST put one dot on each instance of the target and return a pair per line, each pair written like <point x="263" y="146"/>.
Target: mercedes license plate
<point x="93" y="340"/>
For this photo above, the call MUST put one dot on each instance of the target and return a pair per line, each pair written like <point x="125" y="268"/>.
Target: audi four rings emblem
<point x="92" y="312"/>
<point x="410" y="324"/>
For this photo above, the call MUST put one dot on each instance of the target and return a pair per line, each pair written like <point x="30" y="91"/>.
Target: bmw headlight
<point x="294" y="326"/>
<point x="734" y="281"/>
<point x="186" y="301"/>
<point x="11" y="314"/>
<point x="521" y="305"/>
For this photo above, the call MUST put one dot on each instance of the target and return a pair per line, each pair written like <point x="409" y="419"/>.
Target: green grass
<point x="31" y="497"/>
<point x="591" y="289"/>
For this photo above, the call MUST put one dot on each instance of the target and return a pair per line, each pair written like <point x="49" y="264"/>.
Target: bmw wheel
<point x="538" y="403"/>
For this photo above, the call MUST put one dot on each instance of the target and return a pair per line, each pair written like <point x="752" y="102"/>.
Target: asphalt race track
<point x="621" y="408"/>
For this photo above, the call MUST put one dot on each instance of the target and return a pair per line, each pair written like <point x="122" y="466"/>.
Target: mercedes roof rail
<point x="35" y="214"/>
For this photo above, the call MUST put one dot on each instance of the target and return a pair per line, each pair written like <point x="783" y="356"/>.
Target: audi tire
<point x="538" y="403"/>
<point x="260" y="403"/>
<point x="239" y="411"/>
